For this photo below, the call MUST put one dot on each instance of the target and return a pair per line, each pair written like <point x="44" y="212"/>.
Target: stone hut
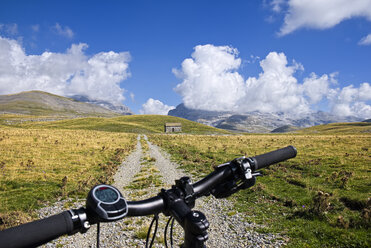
<point x="173" y="127"/>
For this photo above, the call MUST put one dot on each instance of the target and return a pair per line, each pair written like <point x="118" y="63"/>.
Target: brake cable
<point x="154" y="220"/>
<point x="171" y="232"/>
<point x="98" y="233"/>
<point x="171" y="219"/>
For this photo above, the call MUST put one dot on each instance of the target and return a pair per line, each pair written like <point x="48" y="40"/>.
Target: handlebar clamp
<point x="242" y="177"/>
<point x="79" y="220"/>
<point x="185" y="184"/>
<point x="246" y="167"/>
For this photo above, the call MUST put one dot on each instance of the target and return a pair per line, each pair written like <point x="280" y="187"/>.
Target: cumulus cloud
<point x="63" y="31"/>
<point x="210" y="81"/>
<point x="352" y="101"/>
<point x="365" y="40"/>
<point x="68" y="73"/>
<point x="155" y="107"/>
<point x="316" y="88"/>
<point x="319" y="14"/>
<point x="276" y="89"/>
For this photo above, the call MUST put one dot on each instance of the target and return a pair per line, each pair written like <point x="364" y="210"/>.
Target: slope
<point x="39" y="103"/>
<point x="339" y="128"/>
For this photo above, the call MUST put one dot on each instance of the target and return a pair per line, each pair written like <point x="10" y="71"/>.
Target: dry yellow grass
<point x="43" y="165"/>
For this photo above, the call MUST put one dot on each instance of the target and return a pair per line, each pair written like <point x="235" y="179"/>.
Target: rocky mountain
<point x="118" y="108"/>
<point x="256" y="122"/>
<point x="211" y="118"/>
<point x="46" y="104"/>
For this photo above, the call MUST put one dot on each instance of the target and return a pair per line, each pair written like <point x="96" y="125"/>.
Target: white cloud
<point x="276" y="89"/>
<point x="68" y="73"/>
<point x="210" y="81"/>
<point x="277" y="5"/>
<point x="63" y="31"/>
<point x="365" y="40"/>
<point x="155" y="107"/>
<point x="322" y="14"/>
<point x="315" y="88"/>
<point x="352" y="101"/>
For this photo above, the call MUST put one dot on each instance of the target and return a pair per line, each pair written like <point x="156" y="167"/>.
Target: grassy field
<point x="43" y="160"/>
<point x="128" y="124"/>
<point x="40" y="165"/>
<point x="319" y="199"/>
<point x="339" y="128"/>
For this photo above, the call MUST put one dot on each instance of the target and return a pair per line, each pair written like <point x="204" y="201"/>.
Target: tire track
<point x="225" y="230"/>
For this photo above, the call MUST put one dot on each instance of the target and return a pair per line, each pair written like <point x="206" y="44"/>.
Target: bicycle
<point x="105" y="203"/>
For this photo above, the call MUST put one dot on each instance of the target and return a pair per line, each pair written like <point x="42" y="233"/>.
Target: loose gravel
<point x="226" y="230"/>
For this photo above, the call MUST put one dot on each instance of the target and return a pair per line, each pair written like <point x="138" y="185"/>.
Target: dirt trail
<point x="227" y="227"/>
<point x="129" y="167"/>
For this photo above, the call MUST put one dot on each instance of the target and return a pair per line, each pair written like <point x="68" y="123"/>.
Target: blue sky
<point x="207" y="54"/>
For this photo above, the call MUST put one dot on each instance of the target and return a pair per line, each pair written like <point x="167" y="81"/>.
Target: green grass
<point x="128" y="124"/>
<point x="288" y="198"/>
<point x="339" y="128"/>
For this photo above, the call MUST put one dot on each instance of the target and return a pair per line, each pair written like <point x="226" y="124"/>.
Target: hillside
<point x="40" y="103"/>
<point x="285" y="129"/>
<point x="127" y="124"/>
<point x="339" y="128"/>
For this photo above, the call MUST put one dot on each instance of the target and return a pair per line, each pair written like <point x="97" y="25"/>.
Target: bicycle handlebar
<point x="42" y="231"/>
<point x="156" y="204"/>
<point x="37" y="232"/>
<point x="273" y="157"/>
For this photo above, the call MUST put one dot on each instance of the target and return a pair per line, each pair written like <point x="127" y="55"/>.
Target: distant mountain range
<point x="46" y="104"/>
<point x="118" y="108"/>
<point x="40" y="103"/>
<point x="257" y="122"/>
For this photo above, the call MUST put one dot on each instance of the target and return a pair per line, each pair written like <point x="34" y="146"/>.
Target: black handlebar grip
<point x="37" y="232"/>
<point x="273" y="157"/>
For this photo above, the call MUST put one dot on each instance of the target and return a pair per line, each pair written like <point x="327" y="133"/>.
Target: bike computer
<point x="105" y="203"/>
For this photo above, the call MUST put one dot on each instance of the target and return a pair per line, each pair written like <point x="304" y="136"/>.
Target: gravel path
<point x="128" y="168"/>
<point x="225" y="230"/>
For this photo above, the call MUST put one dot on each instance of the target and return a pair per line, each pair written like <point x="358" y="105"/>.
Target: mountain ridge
<point x="257" y="122"/>
<point x="118" y="108"/>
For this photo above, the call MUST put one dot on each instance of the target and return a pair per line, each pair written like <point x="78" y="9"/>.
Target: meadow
<point x="321" y="198"/>
<point x="44" y="159"/>
<point x="144" y="124"/>
<point x="39" y="166"/>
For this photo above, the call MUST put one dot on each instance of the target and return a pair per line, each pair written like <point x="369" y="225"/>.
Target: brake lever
<point x="257" y="174"/>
